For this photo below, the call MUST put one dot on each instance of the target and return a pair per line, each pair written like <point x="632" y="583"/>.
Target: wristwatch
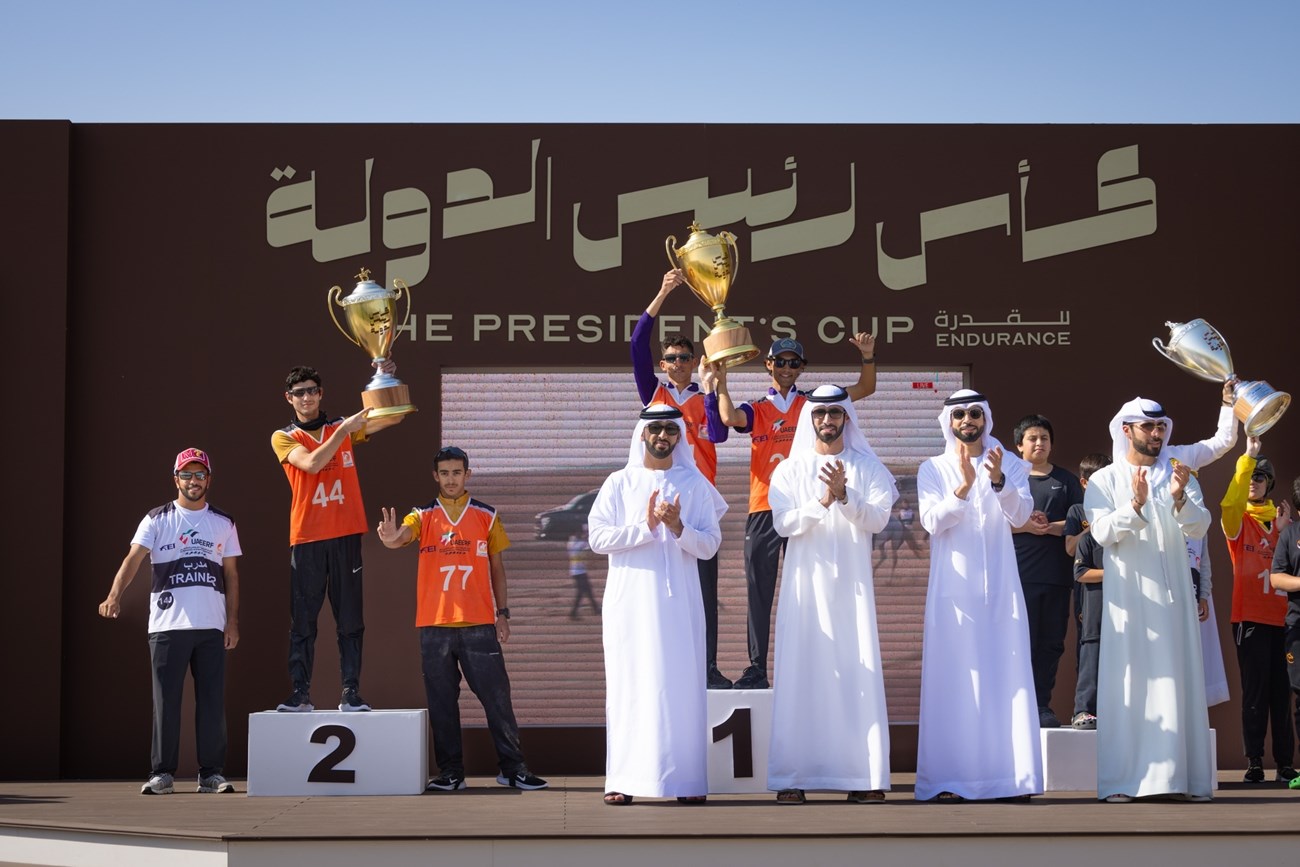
<point x="503" y="612"/>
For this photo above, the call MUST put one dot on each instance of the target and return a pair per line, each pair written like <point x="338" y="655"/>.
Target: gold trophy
<point x="1200" y="349"/>
<point x="370" y="310"/>
<point x="710" y="263"/>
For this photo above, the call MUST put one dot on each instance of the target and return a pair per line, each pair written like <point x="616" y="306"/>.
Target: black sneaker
<point x="352" y="701"/>
<point x="1047" y="719"/>
<point x="299" y="702"/>
<point x="1254" y="773"/>
<point x="753" y="678"/>
<point x="446" y="782"/>
<point x="522" y="779"/>
<point x="717" y="680"/>
<point x="1285" y="774"/>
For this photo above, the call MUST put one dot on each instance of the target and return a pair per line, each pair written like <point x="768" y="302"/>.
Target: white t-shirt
<point x="186" y="550"/>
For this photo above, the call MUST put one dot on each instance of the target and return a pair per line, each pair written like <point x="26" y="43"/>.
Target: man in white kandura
<point x="978" y="735"/>
<point x="830" y="730"/>
<point x="655" y="518"/>
<point x="1153" y="729"/>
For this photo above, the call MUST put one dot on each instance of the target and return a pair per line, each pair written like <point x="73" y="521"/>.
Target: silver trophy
<point x="1200" y="349"/>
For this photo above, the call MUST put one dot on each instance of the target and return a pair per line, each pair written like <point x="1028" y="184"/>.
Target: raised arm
<point x="866" y="384"/>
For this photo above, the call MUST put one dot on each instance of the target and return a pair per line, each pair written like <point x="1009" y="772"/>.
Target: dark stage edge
<point x="100" y="822"/>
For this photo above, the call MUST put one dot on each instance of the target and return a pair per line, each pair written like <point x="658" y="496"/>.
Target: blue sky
<point x="924" y="61"/>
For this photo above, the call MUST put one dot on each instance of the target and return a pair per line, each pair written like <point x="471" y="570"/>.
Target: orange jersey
<point x="697" y="429"/>
<point x="325" y="505"/>
<point x="454" y="583"/>
<point x="769" y="443"/>
<point x="1253" y="598"/>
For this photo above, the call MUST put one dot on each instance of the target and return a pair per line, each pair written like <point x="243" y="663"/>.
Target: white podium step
<point x="378" y="752"/>
<point x="1070" y="759"/>
<point x="740" y="732"/>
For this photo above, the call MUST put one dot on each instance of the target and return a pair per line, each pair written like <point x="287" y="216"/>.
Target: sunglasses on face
<point x="792" y="363"/>
<point x="834" y="412"/>
<point x="305" y="391"/>
<point x="667" y="429"/>
<point x="1259" y="478"/>
<point x="674" y="359"/>
<point x="975" y="414"/>
<point x="1150" y="426"/>
<point x="186" y="475"/>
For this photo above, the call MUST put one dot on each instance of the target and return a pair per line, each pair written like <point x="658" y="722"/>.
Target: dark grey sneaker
<point x="522" y="779"/>
<point x="1047" y="719"/>
<point x="1285" y="774"/>
<point x="299" y="702"/>
<point x="159" y="784"/>
<point x="352" y="701"/>
<point x="716" y="679"/>
<point x="753" y="678"/>
<point x="448" y="782"/>
<point x="215" y="784"/>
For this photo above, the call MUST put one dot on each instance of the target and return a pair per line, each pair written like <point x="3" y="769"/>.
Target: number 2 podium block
<point x="378" y="752"/>
<point x="740" y="732"/>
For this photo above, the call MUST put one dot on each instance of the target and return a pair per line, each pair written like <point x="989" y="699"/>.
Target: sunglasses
<point x="975" y="414"/>
<point x="1259" y="477"/>
<point x="792" y="363"/>
<point x="451" y="453"/>
<point x="1149" y="426"/>
<point x="304" y="391"/>
<point x="671" y="430"/>
<point x="186" y="475"/>
<point x="674" y="359"/>
<point x="833" y="412"/>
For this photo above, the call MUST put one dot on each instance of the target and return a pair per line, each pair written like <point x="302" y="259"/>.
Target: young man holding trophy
<point x="326" y="522"/>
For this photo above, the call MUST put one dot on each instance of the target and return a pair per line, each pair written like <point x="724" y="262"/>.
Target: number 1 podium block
<point x="740" y="732"/>
<point x="378" y="752"/>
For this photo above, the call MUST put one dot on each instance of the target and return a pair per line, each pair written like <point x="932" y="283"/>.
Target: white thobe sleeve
<point x="869" y="509"/>
<point x="1193" y="517"/>
<point x="1111" y="522"/>
<point x="1015" y="501"/>
<point x="1207" y="451"/>
<point x="792" y="516"/>
<point x="606" y="532"/>
<point x="701" y="533"/>
<point x="940" y="508"/>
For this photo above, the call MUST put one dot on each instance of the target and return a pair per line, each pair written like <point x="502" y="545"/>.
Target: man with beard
<point x="703" y="431"/>
<point x="326" y="522"/>
<point x="462" y="612"/>
<point x="1153" y="729"/>
<point x="770" y="422"/>
<point x="655" y="518"/>
<point x="978" y="736"/>
<point x="193" y="619"/>
<point x="830" y="728"/>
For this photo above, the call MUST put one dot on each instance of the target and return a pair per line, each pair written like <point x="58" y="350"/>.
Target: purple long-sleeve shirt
<point x="647" y="383"/>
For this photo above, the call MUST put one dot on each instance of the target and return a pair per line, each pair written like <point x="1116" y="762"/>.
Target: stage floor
<point x="101" y="822"/>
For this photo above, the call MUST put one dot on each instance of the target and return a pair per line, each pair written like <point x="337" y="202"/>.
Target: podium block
<point x="740" y="732"/>
<point x="1070" y="759"/>
<point x="378" y="752"/>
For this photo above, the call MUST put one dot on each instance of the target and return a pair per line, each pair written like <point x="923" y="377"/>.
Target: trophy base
<point x="1258" y="406"/>
<point x="389" y="401"/>
<point x="729" y="343"/>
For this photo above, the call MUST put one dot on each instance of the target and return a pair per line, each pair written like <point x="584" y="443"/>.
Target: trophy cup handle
<point x="669" y="243"/>
<point x="331" y="298"/>
<point x="730" y="241"/>
<point x="399" y="286"/>
<point x="1160" y="347"/>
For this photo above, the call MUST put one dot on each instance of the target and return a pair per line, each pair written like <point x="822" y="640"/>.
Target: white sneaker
<point x="215" y="784"/>
<point x="159" y="784"/>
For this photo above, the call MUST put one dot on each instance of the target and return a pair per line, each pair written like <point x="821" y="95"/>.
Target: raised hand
<point x="1178" y="481"/>
<point x="652" y="511"/>
<point x="833" y="476"/>
<point x="1140" y="488"/>
<point x="670" y="514"/>
<point x="1252" y="446"/>
<point x="866" y="344"/>
<point x="994" y="465"/>
<point x="356" y="422"/>
<point x="967" y="476"/>
<point x="388" y="528"/>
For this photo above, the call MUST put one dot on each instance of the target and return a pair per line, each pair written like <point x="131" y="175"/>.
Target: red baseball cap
<point x="190" y="456"/>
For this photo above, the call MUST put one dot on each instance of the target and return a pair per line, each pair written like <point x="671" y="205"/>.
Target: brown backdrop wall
<point x="187" y="268"/>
